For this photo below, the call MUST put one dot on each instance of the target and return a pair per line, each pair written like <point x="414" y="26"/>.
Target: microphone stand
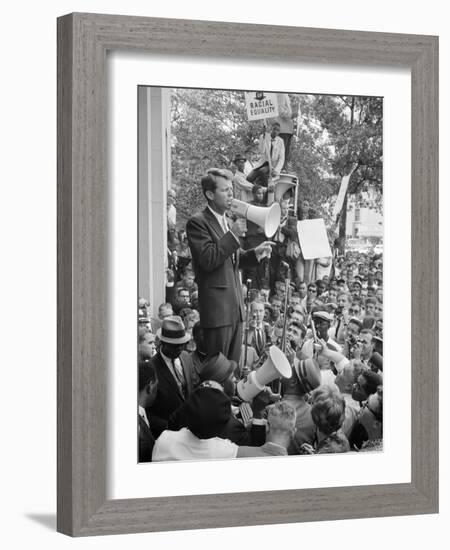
<point x="248" y="282"/>
<point x="287" y="283"/>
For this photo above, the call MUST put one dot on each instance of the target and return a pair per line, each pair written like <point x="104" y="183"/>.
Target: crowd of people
<point x="231" y="295"/>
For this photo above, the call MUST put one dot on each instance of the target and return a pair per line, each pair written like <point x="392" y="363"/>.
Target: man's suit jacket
<point x="146" y="441"/>
<point x="253" y="341"/>
<point x="216" y="272"/>
<point x="168" y="397"/>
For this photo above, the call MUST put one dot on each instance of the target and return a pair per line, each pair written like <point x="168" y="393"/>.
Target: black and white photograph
<point x="260" y="307"/>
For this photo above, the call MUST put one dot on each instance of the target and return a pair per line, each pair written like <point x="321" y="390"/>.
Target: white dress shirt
<point x="223" y="222"/>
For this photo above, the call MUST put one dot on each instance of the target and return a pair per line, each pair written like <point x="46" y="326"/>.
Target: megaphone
<point x="266" y="217"/>
<point x="275" y="366"/>
<point x="284" y="183"/>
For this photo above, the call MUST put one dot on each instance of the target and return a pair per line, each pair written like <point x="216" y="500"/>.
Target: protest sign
<point x="261" y="105"/>
<point x="342" y="192"/>
<point x="313" y="239"/>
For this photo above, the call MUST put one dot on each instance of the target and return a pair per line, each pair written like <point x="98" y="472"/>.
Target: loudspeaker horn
<point x="284" y="183"/>
<point x="267" y="217"/>
<point x="275" y="366"/>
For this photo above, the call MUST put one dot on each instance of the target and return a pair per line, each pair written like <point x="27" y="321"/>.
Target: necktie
<point x="178" y="370"/>
<point x="271" y="148"/>
<point x="224" y="224"/>
<point x="259" y="343"/>
<point x="338" y="326"/>
<point x="225" y="230"/>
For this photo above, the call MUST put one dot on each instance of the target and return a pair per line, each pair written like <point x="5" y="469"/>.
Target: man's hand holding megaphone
<point x="239" y="227"/>
<point x="263" y="400"/>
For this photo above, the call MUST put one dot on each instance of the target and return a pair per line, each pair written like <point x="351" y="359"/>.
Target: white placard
<point x="341" y="195"/>
<point x="261" y="105"/>
<point x="313" y="239"/>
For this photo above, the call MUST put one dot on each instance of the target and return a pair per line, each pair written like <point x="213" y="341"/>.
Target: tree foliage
<point x="209" y="127"/>
<point x="355" y="129"/>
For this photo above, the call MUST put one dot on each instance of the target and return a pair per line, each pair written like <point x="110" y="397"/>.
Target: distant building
<point x="364" y="222"/>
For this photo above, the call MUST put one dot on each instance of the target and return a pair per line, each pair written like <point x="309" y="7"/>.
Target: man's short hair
<point x="370" y="301"/>
<point x="164" y="306"/>
<point x="182" y="289"/>
<point x="328" y="409"/>
<point x="301" y="327"/>
<point x="346" y="294"/>
<point x="282" y="417"/>
<point x="147" y="374"/>
<point x="209" y="181"/>
<point x="295" y="323"/>
<point x="371" y="381"/>
<point x="356" y="321"/>
<point x="256" y="188"/>
<point x="275" y="124"/>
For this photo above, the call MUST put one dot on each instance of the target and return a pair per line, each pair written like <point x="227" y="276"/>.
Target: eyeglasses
<point x="354" y="311"/>
<point x="312" y="290"/>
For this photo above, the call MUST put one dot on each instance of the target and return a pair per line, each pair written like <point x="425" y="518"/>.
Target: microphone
<point x="288" y="268"/>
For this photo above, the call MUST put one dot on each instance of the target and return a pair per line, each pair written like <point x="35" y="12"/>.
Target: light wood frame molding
<point x="83" y="41"/>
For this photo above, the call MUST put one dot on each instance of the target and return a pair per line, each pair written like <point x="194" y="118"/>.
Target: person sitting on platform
<point x="242" y="188"/>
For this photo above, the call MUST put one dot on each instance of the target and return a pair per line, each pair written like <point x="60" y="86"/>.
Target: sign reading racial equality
<point x="261" y="105"/>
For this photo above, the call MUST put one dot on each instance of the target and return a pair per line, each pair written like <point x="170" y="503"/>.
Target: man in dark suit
<point x="174" y="382"/>
<point x="148" y="386"/>
<point x="217" y="258"/>
<point x="258" y="333"/>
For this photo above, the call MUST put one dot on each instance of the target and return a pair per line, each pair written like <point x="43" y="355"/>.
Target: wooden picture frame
<point x="83" y="41"/>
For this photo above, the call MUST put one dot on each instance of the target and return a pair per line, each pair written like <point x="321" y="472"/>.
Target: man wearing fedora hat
<point x="217" y="258"/>
<point x="174" y="379"/>
<point x="242" y="188"/>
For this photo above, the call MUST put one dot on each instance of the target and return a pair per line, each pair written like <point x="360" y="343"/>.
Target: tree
<point x="335" y="133"/>
<point x="209" y="127"/>
<point x="311" y="156"/>
<point x="355" y="128"/>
